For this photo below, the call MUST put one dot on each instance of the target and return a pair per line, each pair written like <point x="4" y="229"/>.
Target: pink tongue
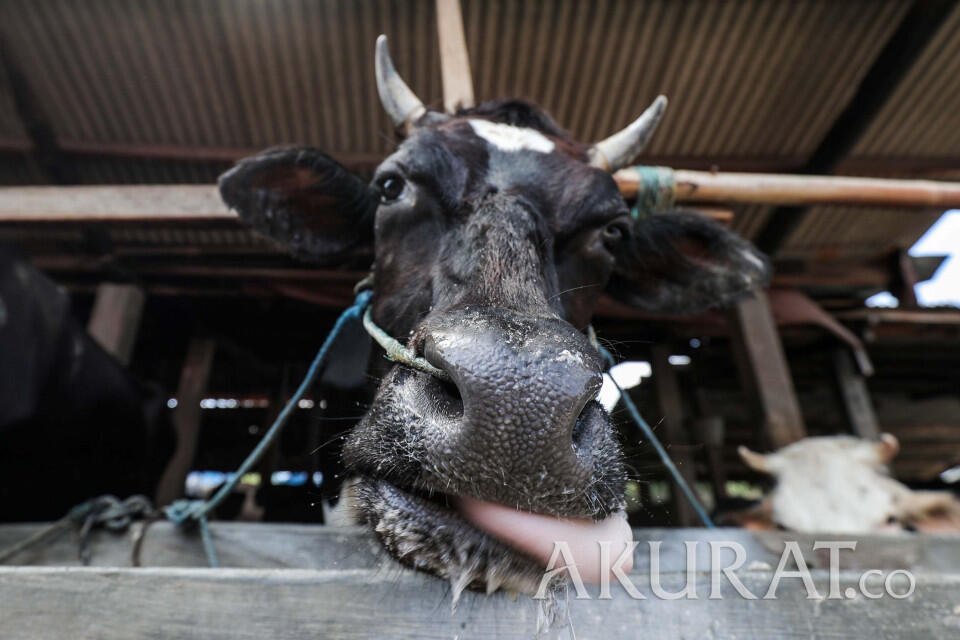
<point x="535" y="534"/>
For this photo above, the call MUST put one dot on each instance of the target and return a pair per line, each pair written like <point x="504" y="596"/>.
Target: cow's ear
<point x="304" y="199"/>
<point x="684" y="263"/>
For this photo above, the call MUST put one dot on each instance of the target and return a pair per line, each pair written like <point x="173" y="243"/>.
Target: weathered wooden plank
<point x="239" y="545"/>
<point x="236" y="604"/>
<point x="280" y="546"/>
<point x="763" y="370"/>
<point x="139" y="203"/>
<point x="115" y="318"/>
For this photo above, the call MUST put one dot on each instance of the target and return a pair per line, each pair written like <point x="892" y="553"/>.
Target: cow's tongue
<point x="535" y="534"/>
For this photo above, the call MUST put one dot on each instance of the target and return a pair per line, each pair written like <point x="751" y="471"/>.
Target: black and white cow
<point x="494" y="236"/>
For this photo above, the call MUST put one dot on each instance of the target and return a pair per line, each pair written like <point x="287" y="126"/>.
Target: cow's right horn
<point x="620" y="149"/>
<point x="401" y="104"/>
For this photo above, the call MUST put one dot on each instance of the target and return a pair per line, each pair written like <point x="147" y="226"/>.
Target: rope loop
<point x="656" y="191"/>
<point x="398" y="353"/>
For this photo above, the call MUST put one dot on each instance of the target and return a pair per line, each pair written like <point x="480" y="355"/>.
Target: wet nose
<point x="523" y="382"/>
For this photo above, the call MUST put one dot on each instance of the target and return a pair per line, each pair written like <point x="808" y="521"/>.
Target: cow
<point x="74" y="423"/>
<point x="494" y="235"/>
<point x="841" y="484"/>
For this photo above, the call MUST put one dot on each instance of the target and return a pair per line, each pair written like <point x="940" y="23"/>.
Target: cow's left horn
<point x="756" y="461"/>
<point x="401" y="104"/>
<point x="620" y="149"/>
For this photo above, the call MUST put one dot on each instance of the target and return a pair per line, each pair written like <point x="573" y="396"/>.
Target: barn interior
<point x="169" y="95"/>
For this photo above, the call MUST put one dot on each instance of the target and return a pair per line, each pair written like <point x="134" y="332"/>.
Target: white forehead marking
<point x="507" y="137"/>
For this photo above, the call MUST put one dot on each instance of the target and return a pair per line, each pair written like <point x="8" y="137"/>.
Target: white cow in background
<point x="841" y="484"/>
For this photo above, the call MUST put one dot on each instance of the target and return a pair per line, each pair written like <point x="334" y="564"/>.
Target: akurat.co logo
<point x="873" y="584"/>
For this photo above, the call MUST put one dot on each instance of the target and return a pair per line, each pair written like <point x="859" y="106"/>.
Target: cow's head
<point x="494" y="236"/>
<point x="842" y="484"/>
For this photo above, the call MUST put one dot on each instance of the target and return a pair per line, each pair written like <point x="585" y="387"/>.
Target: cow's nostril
<point x="581" y="436"/>
<point x="445" y="392"/>
<point x="446" y="397"/>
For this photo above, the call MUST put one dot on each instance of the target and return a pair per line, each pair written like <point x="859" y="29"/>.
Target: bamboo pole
<point x="800" y="190"/>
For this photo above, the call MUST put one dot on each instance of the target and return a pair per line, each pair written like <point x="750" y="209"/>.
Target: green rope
<point x="396" y="352"/>
<point x="106" y="511"/>
<point x="656" y="191"/>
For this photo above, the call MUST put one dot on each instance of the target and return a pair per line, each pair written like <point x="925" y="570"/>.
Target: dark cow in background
<point x="74" y="423"/>
<point x="494" y="236"/>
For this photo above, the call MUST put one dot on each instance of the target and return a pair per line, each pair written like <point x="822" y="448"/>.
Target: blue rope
<point x="194" y="512"/>
<point x="651" y="436"/>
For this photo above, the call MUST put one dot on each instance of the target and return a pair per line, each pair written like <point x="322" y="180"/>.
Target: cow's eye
<point x="614" y="233"/>
<point x="391" y="188"/>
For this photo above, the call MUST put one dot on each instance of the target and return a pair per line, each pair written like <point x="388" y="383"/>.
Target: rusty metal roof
<point x="922" y="119"/>
<point x="171" y="92"/>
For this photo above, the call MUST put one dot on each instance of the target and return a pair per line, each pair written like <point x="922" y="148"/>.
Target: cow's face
<point x="494" y="236"/>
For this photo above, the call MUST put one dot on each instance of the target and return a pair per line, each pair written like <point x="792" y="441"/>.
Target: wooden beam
<point x="186" y="418"/>
<point x="672" y="428"/>
<point x="904" y="282"/>
<point x="115" y="318"/>
<point x="454" y="57"/>
<point x="905" y="316"/>
<point x="44" y="155"/>
<point x="141" y="203"/>
<point x="855" y="396"/>
<point x="764" y="373"/>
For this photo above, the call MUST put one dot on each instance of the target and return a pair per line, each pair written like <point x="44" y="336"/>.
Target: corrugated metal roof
<point x="744" y="78"/>
<point x="827" y="233"/>
<point x="749" y="219"/>
<point x="750" y="78"/>
<point x="922" y="118"/>
<point x="227" y="73"/>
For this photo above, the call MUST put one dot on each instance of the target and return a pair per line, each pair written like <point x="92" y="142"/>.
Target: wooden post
<point x="454" y="58"/>
<point x="855" y="396"/>
<point x="763" y="368"/>
<point x="186" y="418"/>
<point x="671" y="407"/>
<point x="710" y="432"/>
<point x="904" y="280"/>
<point x="115" y="318"/>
